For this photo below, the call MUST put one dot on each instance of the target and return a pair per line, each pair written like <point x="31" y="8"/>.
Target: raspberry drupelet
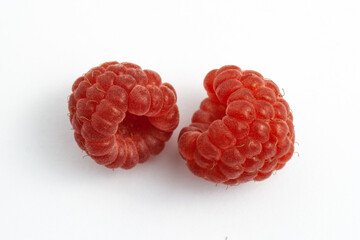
<point x="122" y="114"/>
<point x="242" y="132"/>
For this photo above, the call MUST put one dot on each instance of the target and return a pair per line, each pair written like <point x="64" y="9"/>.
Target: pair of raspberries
<point x="243" y="131"/>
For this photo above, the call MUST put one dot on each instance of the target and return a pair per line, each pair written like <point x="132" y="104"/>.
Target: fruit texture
<point x="243" y="131"/>
<point x="122" y="114"/>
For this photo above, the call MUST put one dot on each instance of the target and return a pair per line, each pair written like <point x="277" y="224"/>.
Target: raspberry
<point x="122" y="114"/>
<point x="243" y="131"/>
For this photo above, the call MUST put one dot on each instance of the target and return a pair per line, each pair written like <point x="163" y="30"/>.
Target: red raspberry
<point x="244" y="131"/>
<point x="122" y="114"/>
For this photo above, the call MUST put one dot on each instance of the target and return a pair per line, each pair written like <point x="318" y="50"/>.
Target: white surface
<point x="49" y="191"/>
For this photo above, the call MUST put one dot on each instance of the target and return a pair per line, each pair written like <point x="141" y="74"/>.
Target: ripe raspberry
<point x="122" y="114"/>
<point x="243" y="131"/>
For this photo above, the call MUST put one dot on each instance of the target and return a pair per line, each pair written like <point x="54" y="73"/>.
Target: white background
<point x="49" y="191"/>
